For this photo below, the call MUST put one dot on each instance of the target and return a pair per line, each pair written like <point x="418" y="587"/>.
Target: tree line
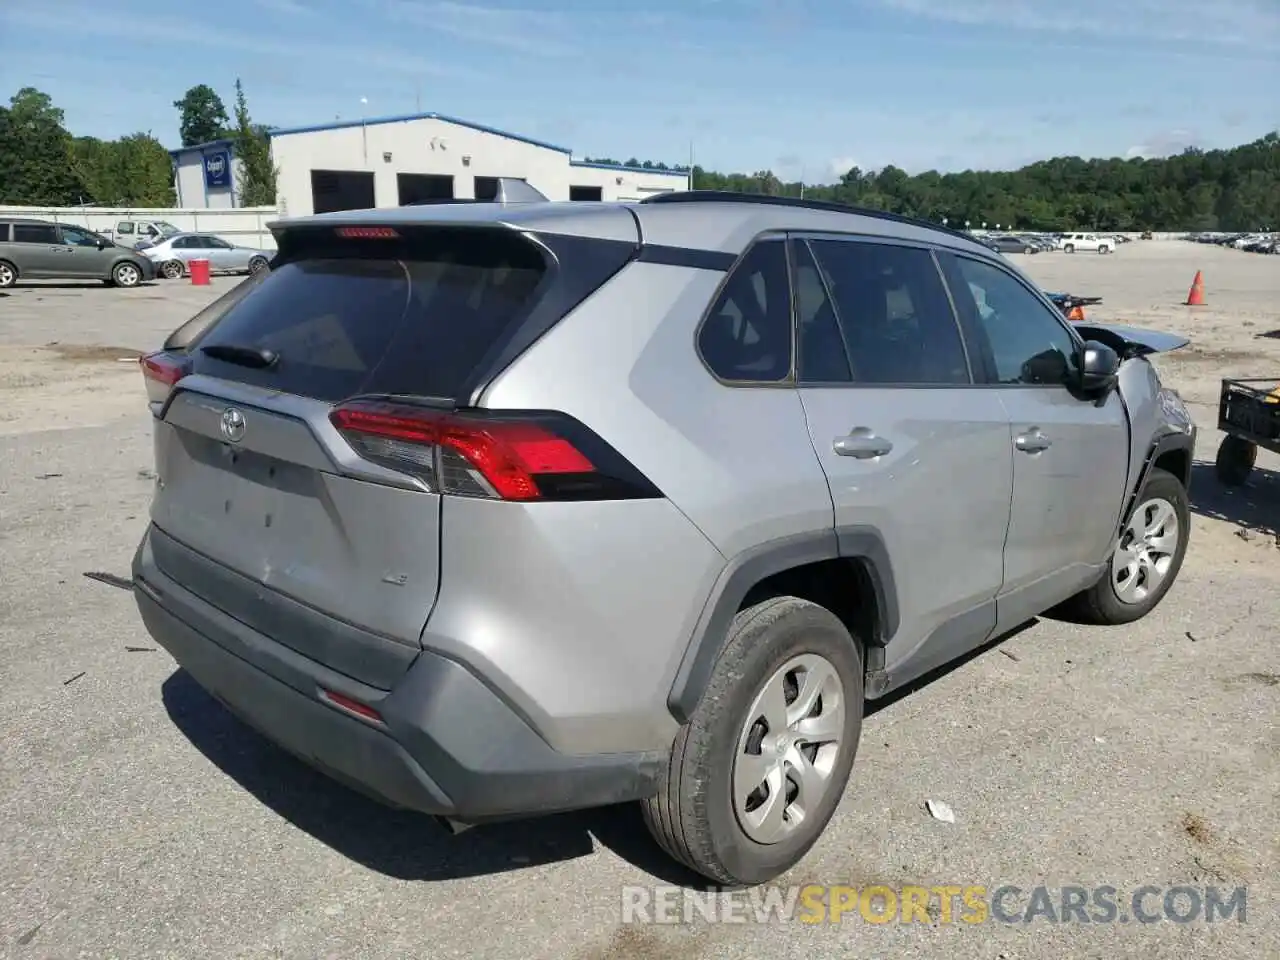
<point x="1234" y="189"/>
<point x="44" y="164"/>
<point x="41" y="163"/>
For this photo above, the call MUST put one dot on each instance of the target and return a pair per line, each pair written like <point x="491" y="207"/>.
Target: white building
<point x="205" y="175"/>
<point x="393" y="161"/>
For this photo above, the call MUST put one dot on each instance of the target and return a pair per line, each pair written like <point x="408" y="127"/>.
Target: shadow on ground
<point x="410" y="846"/>
<point x="404" y="845"/>
<point x="1255" y="505"/>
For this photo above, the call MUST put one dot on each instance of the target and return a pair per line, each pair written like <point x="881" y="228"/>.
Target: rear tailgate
<point x="258" y="485"/>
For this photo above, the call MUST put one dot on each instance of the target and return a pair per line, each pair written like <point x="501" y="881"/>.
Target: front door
<point x="1070" y="453"/>
<point x="915" y="454"/>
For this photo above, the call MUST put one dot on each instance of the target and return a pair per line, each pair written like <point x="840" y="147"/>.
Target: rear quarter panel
<point x="737" y="469"/>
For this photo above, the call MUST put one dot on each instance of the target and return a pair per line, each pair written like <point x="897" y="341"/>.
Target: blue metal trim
<point x="683" y="175"/>
<point x="201" y="147"/>
<point x="407" y="117"/>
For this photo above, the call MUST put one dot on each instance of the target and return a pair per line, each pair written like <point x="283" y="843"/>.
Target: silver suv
<point x="495" y="510"/>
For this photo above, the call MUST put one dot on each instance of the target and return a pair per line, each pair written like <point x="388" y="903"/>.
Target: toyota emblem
<point x="232" y="425"/>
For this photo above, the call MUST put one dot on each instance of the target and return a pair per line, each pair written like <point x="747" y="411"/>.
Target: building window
<point x="423" y="188"/>
<point x="586" y="193"/>
<point x="486" y="188"/>
<point x="333" y="190"/>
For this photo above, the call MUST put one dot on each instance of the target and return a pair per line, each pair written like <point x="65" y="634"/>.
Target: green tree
<point x="35" y="153"/>
<point x="204" y="116"/>
<point x="135" y="170"/>
<point x="257" y="186"/>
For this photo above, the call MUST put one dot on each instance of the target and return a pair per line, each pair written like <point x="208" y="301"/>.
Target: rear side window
<point x="378" y="316"/>
<point x="894" y="312"/>
<point x="4" y="233"/>
<point x="746" y="336"/>
<point x="34" y="233"/>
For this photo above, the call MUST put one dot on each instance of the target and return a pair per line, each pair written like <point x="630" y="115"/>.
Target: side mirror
<point x="1099" y="367"/>
<point x="103" y="243"/>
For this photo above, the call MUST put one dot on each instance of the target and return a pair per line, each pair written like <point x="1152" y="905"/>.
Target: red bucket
<point x="199" y="270"/>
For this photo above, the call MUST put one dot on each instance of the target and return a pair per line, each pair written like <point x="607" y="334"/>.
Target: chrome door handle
<point x="1033" y="441"/>
<point x="862" y="444"/>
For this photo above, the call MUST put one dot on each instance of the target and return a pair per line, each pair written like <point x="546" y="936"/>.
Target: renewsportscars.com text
<point x="945" y="903"/>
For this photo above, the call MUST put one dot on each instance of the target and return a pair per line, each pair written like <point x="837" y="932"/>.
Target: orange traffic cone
<point x="1076" y="315"/>
<point x="1195" y="297"/>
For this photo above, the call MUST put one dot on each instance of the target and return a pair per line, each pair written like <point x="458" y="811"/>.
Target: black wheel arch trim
<point x="747" y="569"/>
<point x="1165" y="442"/>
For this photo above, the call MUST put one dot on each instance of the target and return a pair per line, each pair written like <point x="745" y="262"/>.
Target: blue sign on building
<point x="217" y="169"/>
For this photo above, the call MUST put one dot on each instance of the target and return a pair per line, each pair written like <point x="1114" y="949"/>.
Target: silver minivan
<point x="43" y="250"/>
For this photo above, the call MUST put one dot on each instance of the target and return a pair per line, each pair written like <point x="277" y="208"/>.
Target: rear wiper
<point x="258" y="357"/>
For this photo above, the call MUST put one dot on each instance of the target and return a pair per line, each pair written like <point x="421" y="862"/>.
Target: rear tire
<point x="702" y="814"/>
<point x="1152" y="562"/>
<point x="1235" y="460"/>
<point x="8" y="274"/>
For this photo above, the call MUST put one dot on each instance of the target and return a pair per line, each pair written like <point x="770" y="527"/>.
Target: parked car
<point x="42" y="250"/>
<point x="172" y="255"/>
<point x="1011" y="244"/>
<point x="1071" y="242"/>
<point x="131" y="233"/>
<point x="426" y="520"/>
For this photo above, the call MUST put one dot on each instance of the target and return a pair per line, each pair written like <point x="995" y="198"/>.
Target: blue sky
<point x="804" y="87"/>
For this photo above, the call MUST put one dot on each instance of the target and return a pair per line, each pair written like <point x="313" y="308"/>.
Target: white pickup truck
<point x="130" y="233"/>
<point x="1071" y="242"/>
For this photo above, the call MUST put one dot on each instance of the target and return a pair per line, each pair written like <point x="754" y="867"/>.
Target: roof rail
<point x="729" y="196"/>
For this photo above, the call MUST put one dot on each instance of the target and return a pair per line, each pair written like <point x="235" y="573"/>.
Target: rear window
<point x="406" y="317"/>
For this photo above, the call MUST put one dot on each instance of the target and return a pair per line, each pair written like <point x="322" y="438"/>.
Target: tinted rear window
<point x="378" y="316"/>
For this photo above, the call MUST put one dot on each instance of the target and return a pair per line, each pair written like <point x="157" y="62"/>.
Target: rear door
<point x="912" y="447"/>
<point x="36" y="247"/>
<point x="253" y="474"/>
<point x="1070" y="454"/>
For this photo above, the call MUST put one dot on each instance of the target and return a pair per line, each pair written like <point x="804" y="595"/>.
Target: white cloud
<point x="839" y="166"/>
<point x="1163" y="144"/>
<point x="522" y="31"/>
<point x="1245" y="23"/>
<point x="91" y="21"/>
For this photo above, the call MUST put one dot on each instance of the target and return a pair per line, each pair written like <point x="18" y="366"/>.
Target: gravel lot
<point x="140" y="820"/>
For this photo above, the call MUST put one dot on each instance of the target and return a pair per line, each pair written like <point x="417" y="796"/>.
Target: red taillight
<point x="161" y="371"/>
<point x="463" y="455"/>
<point x="367" y="233"/>
<point x="352" y="706"/>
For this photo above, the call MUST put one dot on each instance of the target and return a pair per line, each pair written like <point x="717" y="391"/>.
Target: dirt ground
<point x="137" y="819"/>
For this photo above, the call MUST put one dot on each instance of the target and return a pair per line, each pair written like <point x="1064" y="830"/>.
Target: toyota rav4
<point x="495" y="510"/>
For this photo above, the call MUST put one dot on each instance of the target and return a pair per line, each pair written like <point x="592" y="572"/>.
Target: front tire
<point x="8" y="274"/>
<point x="1146" y="560"/>
<point x="126" y="275"/>
<point x="171" y="270"/>
<point x="760" y="768"/>
<point x="1069" y="248"/>
<point x="257" y="265"/>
